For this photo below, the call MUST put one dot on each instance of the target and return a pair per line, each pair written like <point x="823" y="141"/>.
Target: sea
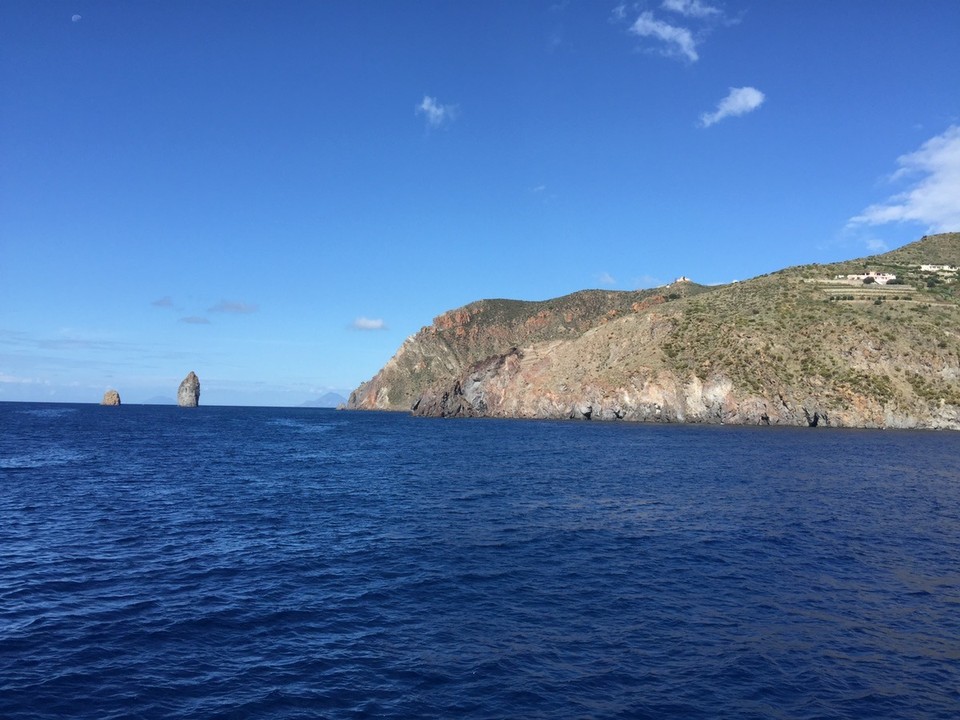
<point x="226" y="562"/>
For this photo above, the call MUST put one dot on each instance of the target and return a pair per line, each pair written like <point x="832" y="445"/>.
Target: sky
<point x="276" y="194"/>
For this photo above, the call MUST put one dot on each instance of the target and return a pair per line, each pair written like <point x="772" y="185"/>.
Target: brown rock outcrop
<point x="110" y="397"/>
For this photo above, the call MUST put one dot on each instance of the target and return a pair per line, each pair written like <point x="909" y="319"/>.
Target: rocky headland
<point x="872" y="342"/>
<point x="110" y="397"/>
<point x="188" y="394"/>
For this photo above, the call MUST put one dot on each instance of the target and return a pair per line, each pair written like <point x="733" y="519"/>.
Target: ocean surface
<point x="158" y="562"/>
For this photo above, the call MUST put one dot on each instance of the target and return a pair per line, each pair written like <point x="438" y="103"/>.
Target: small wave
<point x="304" y="426"/>
<point x="48" y="412"/>
<point x="40" y="459"/>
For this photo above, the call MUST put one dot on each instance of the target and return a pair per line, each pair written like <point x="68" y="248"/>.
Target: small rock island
<point x="110" y="397"/>
<point x="188" y="395"/>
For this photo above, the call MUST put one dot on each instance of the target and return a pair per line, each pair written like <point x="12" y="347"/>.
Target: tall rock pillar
<point x="189" y="393"/>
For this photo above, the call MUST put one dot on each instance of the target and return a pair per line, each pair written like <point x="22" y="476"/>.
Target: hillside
<point x="803" y="346"/>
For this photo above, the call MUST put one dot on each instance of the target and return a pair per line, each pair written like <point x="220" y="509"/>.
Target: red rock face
<point x="429" y="365"/>
<point x="643" y="305"/>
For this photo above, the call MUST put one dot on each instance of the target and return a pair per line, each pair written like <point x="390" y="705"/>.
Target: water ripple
<point x="305" y="563"/>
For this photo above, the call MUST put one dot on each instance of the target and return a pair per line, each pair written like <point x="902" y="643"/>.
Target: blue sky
<point x="276" y="194"/>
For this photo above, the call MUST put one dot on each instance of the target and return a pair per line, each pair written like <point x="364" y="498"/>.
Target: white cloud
<point x="934" y="197"/>
<point x="233" y="306"/>
<point x="691" y="8"/>
<point x="876" y="245"/>
<point x="679" y="40"/>
<point x="606" y="278"/>
<point x="436" y="113"/>
<point x="363" y="323"/>
<point x="739" y="101"/>
<point x="76" y="18"/>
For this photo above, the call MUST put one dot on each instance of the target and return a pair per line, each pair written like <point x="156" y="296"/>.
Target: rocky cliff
<point x="188" y="394"/>
<point x="826" y="345"/>
<point x="110" y="397"/>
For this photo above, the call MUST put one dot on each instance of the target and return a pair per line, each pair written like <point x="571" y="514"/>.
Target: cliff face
<point x="797" y="347"/>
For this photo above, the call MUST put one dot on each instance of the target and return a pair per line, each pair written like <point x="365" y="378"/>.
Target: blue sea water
<point x="157" y="562"/>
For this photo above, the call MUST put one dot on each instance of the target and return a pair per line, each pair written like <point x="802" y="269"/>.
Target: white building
<point x="878" y="277"/>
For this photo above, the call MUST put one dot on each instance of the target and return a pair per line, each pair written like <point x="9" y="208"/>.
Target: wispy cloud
<point x="933" y="198"/>
<point x="234" y="307"/>
<point x="876" y="245"/>
<point x="76" y="339"/>
<point x="165" y="302"/>
<point x="76" y="18"/>
<point x="73" y="364"/>
<point x="647" y="281"/>
<point x="739" y="101"/>
<point x="364" y="323"/>
<point x="435" y="113"/>
<point x="66" y="339"/>
<point x="679" y="41"/>
<point x="606" y="278"/>
<point x="17" y="380"/>
<point x="687" y="24"/>
<point x="544" y="195"/>
<point x="692" y="8"/>
<point x="195" y="320"/>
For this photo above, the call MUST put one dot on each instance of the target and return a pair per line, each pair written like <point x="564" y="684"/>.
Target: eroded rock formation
<point x="188" y="395"/>
<point x="110" y="397"/>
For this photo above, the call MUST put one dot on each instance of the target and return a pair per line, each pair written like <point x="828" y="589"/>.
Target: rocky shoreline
<point x="801" y="347"/>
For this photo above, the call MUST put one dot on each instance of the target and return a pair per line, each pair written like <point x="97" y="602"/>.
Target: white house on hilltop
<point x="878" y="277"/>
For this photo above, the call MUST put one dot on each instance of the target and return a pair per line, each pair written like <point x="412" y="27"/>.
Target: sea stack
<point x="110" y="397"/>
<point x="189" y="393"/>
